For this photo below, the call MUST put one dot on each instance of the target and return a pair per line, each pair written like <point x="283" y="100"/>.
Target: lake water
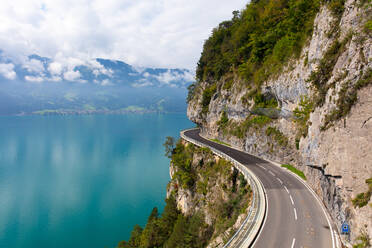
<point x="81" y="181"/>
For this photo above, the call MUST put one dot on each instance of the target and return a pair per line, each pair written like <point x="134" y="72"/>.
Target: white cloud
<point x="7" y="70"/>
<point x="106" y="82"/>
<point x="55" y="68"/>
<point x="144" y="84"/>
<point x="37" y="79"/>
<point x="169" y="76"/>
<point x="167" y="33"/>
<point x="72" y="75"/>
<point x="33" y="65"/>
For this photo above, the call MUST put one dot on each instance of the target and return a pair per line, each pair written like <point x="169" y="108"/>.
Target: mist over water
<point x="70" y="181"/>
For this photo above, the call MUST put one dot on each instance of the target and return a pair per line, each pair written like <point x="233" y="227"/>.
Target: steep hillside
<point x="291" y="81"/>
<point x="207" y="200"/>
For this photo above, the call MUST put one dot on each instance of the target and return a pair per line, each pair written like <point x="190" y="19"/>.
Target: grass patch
<point x="362" y="199"/>
<point x="294" y="170"/>
<point x="220" y="142"/>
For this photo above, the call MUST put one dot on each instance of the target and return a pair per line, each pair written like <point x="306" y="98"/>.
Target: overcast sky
<point x="151" y="33"/>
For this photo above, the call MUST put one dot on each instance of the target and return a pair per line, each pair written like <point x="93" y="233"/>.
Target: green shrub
<point x="363" y="240"/>
<point x="256" y="122"/>
<point x="319" y="78"/>
<point x="261" y="102"/>
<point x="222" y="123"/>
<point x="207" y="96"/>
<point x="347" y="97"/>
<point x="301" y="117"/>
<point x="278" y="136"/>
<point x="362" y="199"/>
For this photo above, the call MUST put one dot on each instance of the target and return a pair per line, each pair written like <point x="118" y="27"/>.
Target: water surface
<point x="81" y="181"/>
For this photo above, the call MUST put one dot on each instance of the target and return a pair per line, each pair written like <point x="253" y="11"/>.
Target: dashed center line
<point x="280" y="181"/>
<point x="263" y="167"/>
<point x="293" y="242"/>
<point x="291" y="199"/>
<point x="286" y="189"/>
<point x="272" y="173"/>
<point x="295" y="213"/>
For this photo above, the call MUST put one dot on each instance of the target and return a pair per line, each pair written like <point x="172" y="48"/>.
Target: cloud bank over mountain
<point x="43" y="86"/>
<point x="72" y="33"/>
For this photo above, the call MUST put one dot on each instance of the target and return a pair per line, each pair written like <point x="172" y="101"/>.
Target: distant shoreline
<point x="91" y="112"/>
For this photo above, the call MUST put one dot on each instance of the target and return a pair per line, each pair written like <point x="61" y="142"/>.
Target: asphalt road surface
<point x="294" y="217"/>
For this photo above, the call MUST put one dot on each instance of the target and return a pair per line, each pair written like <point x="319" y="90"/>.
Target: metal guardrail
<point x="247" y="232"/>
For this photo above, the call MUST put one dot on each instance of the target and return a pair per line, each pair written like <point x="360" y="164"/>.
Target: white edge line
<point x="286" y="189"/>
<point x="295" y="213"/>
<point x="337" y="241"/>
<point x="265" y="217"/>
<point x="300" y="179"/>
<point x="319" y="201"/>
<point x="293" y="242"/>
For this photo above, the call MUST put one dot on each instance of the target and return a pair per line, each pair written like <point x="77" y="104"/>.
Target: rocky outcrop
<point x="210" y="187"/>
<point x="335" y="152"/>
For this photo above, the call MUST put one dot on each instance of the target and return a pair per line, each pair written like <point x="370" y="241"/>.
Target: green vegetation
<point x="368" y="27"/>
<point x="222" y="123"/>
<point x="278" y="136"/>
<point x="260" y="101"/>
<point x="320" y="77"/>
<point x="240" y="129"/>
<point x="258" y="41"/>
<point x="363" y="240"/>
<point x="301" y="117"/>
<point x="362" y="199"/>
<point x="169" y="146"/>
<point x="207" y="96"/>
<point x="172" y="228"/>
<point x="182" y="159"/>
<point x="220" y="142"/>
<point x="294" y="170"/>
<point x="347" y="97"/>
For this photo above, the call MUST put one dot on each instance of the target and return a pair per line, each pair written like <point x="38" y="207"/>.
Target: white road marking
<point x="280" y="181"/>
<point x="263" y="167"/>
<point x="337" y="241"/>
<point x="291" y="200"/>
<point x="286" y="189"/>
<point x="293" y="242"/>
<point x="272" y="173"/>
<point x="295" y="213"/>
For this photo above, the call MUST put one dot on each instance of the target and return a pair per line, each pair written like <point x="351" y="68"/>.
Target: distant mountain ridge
<point x="39" y="85"/>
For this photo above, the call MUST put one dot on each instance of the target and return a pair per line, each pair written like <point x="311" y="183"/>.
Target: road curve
<point x="294" y="217"/>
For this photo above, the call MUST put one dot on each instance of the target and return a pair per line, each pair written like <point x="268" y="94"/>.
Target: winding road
<point x="294" y="216"/>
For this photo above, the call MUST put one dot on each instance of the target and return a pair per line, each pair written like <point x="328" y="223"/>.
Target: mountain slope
<point x="291" y="81"/>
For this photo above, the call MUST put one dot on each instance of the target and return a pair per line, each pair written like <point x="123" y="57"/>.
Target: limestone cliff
<point x="321" y="119"/>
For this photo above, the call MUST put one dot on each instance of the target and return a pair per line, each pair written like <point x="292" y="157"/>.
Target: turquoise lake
<point x="81" y="181"/>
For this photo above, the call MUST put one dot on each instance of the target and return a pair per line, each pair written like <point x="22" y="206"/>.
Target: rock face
<point x="340" y="155"/>
<point x="218" y="192"/>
